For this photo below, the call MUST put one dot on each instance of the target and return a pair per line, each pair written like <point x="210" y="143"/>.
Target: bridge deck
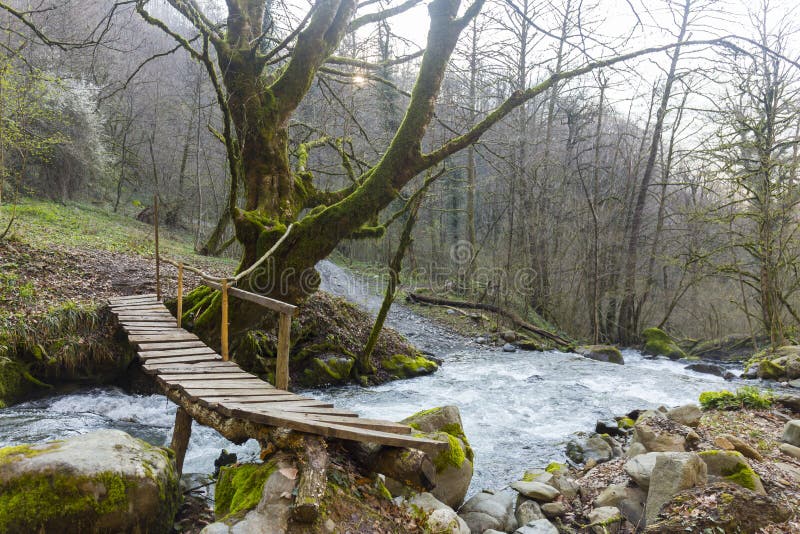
<point x="177" y="359"/>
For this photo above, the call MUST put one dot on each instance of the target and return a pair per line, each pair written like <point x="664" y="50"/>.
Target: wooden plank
<point x="132" y="297"/>
<point x="163" y="338"/>
<point x="190" y="359"/>
<point x="272" y="304"/>
<point x="278" y="400"/>
<point x="152" y="324"/>
<point x="330" y="430"/>
<point x="372" y="424"/>
<point x="189" y="351"/>
<point x="223" y="383"/>
<point x="145" y="304"/>
<point x="277" y="396"/>
<point x="196" y="392"/>
<point x="187" y="367"/>
<point x="274" y="404"/>
<point x="219" y="375"/>
<point x="154" y="367"/>
<point x="156" y="314"/>
<point x="291" y="408"/>
<point x="145" y="347"/>
<point x="124" y="318"/>
<point x="153" y="331"/>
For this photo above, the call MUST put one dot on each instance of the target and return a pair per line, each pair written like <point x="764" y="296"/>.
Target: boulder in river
<point x="454" y="465"/>
<point x="601" y="353"/>
<point x="659" y="343"/>
<point x="104" y="481"/>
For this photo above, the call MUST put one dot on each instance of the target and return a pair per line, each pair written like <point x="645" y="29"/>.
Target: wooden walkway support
<point x="197" y="378"/>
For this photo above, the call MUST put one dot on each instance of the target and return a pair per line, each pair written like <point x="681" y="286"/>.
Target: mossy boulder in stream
<point x="12" y="381"/>
<point x="105" y="481"/>
<point x="454" y="465"/>
<point x="404" y="366"/>
<point x="659" y="343"/>
<point x="601" y="353"/>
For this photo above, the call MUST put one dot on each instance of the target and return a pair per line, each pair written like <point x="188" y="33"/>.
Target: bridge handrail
<point x="221" y="284"/>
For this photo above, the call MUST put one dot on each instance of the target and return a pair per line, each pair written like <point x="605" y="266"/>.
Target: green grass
<point x="43" y="224"/>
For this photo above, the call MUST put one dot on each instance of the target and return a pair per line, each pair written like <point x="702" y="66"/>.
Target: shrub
<point x="745" y="397"/>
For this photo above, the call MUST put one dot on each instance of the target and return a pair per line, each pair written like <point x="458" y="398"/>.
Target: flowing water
<point x="518" y="409"/>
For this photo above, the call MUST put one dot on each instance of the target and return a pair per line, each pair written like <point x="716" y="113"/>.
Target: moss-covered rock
<point x="239" y="487"/>
<point x="659" y="343"/>
<point x="13" y="385"/>
<point x="731" y="348"/>
<point x="454" y="465"/>
<point x="105" y="481"/>
<point x="770" y="370"/>
<point x="404" y="366"/>
<point x="601" y="353"/>
<point x="731" y="466"/>
<point x="327" y="369"/>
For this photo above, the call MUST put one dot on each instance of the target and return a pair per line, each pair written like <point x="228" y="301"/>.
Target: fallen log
<point x="511" y="316"/>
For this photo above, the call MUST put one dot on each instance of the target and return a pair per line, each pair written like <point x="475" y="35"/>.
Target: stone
<point x="509" y="335"/>
<point x="601" y="353"/>
<point x="720" y="507"/>
<point x="508" y="347"/>
<point x="528" y="511"/>
<point x="554" y="509"/>
<point x="446" y="521"/>
<point x="454" y="466"/>
<point x="659" y="343"/>
<point x="616" y="448"/>
<point x="789" y="401"/>
<point x="793" y="383"/>
<point x="536" y="490"/>
<point x="688" y="415"/>
<point x="770" y="370"/>
<point x="640" y="468"/>
<point x="486" y="511"/>
<point x="635" y="450"/>
<point x="538" y="475"/>
<point x="605" y="520"/>
<point x="722" y="443"/>
<point x="592" y="448"/>
<point x="566" y="485"/>
<point x="103" y="481"/>
<point x="790" y="450"/>
<point x="610" y="496"/>
<point x="610" y="427"/>
<point x="791" y="433"/>
<point x="731" y="466"/>
<point x="706" y="368"/>
<point x="540" y="526"/>
<point x="656" y="439"/>
<point x="673" y="472"/>
<point x="743" y="447"/>
<point x="426" y="501"/>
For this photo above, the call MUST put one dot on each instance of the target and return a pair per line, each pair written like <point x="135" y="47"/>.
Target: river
<point x="518" y="408"/>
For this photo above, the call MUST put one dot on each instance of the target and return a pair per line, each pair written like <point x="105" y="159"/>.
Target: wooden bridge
<point x="216" y="392"/>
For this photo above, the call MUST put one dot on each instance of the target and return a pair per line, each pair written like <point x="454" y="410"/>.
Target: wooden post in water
<point x="158" y="259"/>
<point x="282" y="366"/>
<point x="180" y="437"/>
<point x="180" y="293"/>
<point x="224" y="327"/>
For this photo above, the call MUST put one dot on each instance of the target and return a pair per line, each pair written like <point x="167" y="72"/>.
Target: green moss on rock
<point x="404" y="366"/>
<point x="331" y="370"/>
<point x="240" y="487"/>
<point x="659" y="343"/>
<point x="45" y="500"/>
<point x="12" y="383"/>
<point x="770" y="370"/>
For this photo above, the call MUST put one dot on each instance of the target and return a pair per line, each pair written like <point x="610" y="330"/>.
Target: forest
<point x="463" y="196"/>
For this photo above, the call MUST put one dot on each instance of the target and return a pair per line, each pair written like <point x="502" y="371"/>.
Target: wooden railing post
<point x="158" y="258"/>
<point x="224" y="327"/>
<point x="180" y="293"/>
<point x="282" y="366"/>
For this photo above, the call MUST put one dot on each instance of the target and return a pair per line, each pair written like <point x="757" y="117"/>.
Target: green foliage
<point x="239" y="487"/>
<point x="745" y="397"/>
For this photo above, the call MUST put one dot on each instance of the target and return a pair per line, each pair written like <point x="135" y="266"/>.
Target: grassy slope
<point x="75" y="241"/>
